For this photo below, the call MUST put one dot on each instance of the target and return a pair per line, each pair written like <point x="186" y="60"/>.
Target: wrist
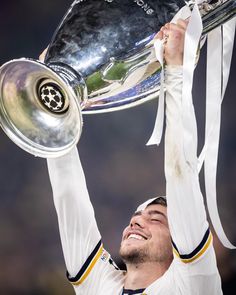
<point x="174" y="68"/>
<point x="173" y="73"/>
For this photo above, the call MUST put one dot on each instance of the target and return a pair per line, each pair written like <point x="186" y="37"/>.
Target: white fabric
<point x="157" y="132"/>
<point x="181" y="175"/>
<point x="144" y="205"/>
<point x="214" y="98"/>
<point x="192" y="39"/>
<point x="158" y="128"/>
<point x="186" y="216"/>
<point x="77" y="224"/>
<point x="218" y="63"/>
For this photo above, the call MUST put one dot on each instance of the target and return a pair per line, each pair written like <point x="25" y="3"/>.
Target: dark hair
<point x="159" y="201"/>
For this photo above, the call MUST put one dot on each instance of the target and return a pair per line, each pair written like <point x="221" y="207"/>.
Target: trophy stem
<point x="73" y="78"/>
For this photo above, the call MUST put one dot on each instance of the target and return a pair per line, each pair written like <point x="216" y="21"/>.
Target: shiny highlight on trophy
<point x="101" y="59"/>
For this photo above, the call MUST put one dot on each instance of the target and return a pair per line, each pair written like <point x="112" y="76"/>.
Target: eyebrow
<point x="150" y="212"/>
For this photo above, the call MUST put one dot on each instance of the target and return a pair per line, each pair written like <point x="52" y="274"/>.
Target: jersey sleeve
<point x="186" y="211"/>
<point x="80" y="237"/>
<point x="89" y="266"/>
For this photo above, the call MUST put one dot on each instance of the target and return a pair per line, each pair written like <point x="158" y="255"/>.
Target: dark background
<point x="121" y="172"/>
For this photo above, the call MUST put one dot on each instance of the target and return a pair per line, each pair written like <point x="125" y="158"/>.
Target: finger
<point x="173" y="30"/>
<point x="167" y="26"/>
<point x="182" y="23"/>
<point x="159" y="35"/>
<point x="166" y="32"/>
<point x="162" y="28"/>
<point x="176" y="27"/>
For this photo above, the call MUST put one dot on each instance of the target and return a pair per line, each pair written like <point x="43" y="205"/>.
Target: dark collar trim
<point x="131" y="292"/>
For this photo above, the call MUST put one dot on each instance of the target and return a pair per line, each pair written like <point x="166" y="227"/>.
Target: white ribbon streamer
<point x="228" y="41"/>
<point x="192" y="39"/>
<point x="156" y="136"/>
<point x="214" y="98"/>
<point x="218" y="66"/>
<point x="159" y="122"/>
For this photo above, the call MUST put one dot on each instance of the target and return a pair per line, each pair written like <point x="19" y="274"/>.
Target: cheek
<point x="161" y="235"/>
<point x="124" y="233"/>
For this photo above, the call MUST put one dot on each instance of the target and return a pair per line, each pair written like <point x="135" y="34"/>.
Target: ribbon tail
<point x="192" y="38"/>
<point x="215" y="90"/>
<point x="159" y="122"/>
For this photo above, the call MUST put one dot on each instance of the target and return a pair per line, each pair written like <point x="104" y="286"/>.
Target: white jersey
<point x="90" y="267"/>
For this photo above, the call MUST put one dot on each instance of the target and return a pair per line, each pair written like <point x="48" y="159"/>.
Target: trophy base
<point x="39" y="110"/>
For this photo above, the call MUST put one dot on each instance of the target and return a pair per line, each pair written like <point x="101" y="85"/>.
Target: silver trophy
<point x="101" y="59"/>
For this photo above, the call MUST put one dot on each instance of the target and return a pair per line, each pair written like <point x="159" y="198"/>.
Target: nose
<point x="137" y="221"/>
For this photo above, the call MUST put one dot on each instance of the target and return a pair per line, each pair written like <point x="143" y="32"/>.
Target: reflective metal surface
<point x="26" y="120"/>
<point x="109" y="44"/>
<point x="101" y="58"/>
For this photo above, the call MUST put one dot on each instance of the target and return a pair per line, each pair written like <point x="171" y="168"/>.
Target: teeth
<point x="135" y="236"/>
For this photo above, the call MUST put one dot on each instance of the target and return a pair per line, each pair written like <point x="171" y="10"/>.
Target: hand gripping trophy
<point x="101" y="59"/>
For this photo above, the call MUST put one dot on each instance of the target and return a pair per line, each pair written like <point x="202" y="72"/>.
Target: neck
<point x="141" y="275"/>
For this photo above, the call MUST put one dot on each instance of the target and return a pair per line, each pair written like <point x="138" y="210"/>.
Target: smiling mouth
<point x="136" y="237"/>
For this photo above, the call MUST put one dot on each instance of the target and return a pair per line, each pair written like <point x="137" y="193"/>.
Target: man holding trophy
<point x="102" y="58"/>
<point x="167" y="246"/>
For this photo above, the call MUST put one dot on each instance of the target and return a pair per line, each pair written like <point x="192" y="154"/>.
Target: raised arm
<point x="192" y="240"/>
<point x="77" y="224"/>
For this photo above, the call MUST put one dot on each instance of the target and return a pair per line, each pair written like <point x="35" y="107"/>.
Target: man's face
<point x="147" y="238"/>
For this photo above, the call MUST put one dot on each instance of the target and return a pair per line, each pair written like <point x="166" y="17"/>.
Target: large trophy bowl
<point x="101" y="59"/>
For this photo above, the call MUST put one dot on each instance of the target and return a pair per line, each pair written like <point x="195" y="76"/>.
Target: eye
<point x="155" y="220"/>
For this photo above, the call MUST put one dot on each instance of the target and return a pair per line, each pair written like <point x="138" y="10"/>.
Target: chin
<point x="131" y="253"/>
<point x="130" y="246"/>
